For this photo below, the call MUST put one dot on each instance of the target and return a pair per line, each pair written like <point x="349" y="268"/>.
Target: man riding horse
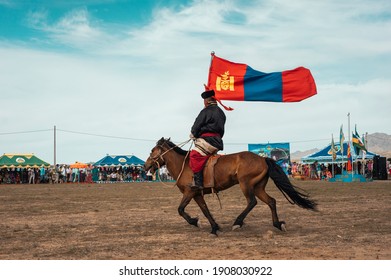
<point x="207" y="133"/>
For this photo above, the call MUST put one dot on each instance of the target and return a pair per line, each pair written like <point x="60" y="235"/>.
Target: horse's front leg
<point x="202" y="204"/>
<point x="187" y="197"/>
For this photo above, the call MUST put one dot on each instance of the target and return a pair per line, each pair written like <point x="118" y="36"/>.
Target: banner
<point x="341" y="138"/>
<point x="280" y="152"/>
<point x="358" y="143"/>
<point x="333" y="149"/>
<point x="350" y="160"/>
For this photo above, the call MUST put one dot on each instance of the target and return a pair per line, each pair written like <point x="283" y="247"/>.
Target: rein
<point x="161" y="157"/>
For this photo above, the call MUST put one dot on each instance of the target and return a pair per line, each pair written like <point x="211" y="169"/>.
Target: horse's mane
<point x="172" y="146"/>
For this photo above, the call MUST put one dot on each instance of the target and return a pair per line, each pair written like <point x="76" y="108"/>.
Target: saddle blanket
<point x="209" y="171"/>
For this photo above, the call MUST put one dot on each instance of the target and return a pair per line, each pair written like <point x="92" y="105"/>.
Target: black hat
<point x="207" y="94"/>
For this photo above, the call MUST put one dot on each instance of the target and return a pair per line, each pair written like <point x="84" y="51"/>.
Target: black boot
<point x="198" y="181"/>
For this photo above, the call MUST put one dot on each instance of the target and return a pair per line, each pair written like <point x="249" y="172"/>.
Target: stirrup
<point x="197" y="188"/>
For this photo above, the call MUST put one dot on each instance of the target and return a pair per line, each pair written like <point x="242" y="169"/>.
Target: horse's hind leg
<point x="204" y="208"/>
<point x="271" y="202"/>
<point x="187" y="197"/>
<point x="251" y="202"/>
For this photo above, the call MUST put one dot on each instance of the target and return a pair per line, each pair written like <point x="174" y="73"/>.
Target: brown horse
<point x="247" y="169"/>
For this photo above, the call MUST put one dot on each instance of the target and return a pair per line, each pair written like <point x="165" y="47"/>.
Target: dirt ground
<point x="140" y="221"/>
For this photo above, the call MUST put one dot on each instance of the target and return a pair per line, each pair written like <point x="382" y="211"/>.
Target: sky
<point x="82" y="79"/>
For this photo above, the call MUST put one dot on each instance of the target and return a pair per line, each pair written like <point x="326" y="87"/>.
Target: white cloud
<point x="75" y="29"/>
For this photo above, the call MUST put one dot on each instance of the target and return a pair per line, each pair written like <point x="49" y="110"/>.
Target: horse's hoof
<point x="194" y="222"/>
<point x="283" y="227"/>
<point x="215" y="229"/>
<point x="235" y="227"/>
<point x="280" y="225"/>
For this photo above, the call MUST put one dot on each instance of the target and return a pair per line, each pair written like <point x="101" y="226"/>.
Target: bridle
<point x="155" y="160"/>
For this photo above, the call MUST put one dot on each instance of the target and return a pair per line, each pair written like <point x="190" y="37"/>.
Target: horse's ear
<point x="161" y="141"/>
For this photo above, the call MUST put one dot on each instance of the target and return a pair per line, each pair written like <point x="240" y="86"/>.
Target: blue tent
<point x="325" y="155"/>
<point x="121" y="160"/>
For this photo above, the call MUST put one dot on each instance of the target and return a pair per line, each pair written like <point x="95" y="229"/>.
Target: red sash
<point x="210" y="134"/>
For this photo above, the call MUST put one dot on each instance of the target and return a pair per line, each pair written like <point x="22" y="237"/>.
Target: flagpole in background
<point x="349" y="127"/>
<point x="334" y="154"/>
<point x="349" y="141"/>
<point x="341" y="141"/>
<point x="355" y="150"/>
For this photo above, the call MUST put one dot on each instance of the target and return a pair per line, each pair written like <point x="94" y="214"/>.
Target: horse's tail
<point x="283" y="183"/>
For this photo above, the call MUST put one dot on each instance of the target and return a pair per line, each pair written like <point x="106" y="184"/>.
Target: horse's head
<point x="155" y="159"/>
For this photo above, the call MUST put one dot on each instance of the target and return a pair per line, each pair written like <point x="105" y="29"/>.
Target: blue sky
<point x="115" y="76"/>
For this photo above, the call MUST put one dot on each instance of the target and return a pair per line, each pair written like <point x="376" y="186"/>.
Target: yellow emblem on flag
<point x="225" y="82"/>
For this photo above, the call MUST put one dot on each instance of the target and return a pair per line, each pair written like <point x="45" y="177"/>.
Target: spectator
<point x="75" y="174"/>
<point x="31" y="175"/>
<point x="163" y="173"/>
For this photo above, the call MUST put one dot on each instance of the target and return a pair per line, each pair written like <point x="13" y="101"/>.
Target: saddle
<point x="209" y="171"/>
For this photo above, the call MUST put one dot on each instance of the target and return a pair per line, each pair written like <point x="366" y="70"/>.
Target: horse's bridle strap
<point x="155" y="159"/>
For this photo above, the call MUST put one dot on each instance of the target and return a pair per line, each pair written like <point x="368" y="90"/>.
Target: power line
<point x="106" y="136"/>
<point x="21" y="132"/>
<point x="298" y="141"/>
<point x="76" y="132"/>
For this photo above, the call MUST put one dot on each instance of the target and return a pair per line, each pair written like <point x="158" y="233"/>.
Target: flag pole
<point x="212" y="55"/>
<point x="349" y="127"/>
<point x="363" y="157"/>
<point x="349" y="143"/>
<point x="359" y="151"/>
<point x="366" y="147"/>
<point x="333" y="153"/>
<point x="342" y="152"/>
<point x="341" y="141"/>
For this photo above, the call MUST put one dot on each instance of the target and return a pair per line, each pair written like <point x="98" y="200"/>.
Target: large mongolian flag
<point x="237" y="81"/>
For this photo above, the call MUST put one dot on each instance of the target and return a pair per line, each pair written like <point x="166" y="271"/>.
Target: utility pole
<point x="349" y="128"/>
<point x="54" y="157"/>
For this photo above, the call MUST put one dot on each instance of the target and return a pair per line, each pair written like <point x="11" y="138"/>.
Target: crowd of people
<point x="322" y="171"/>
<point x="92" y="174"/>
<point x="67" y="174"/>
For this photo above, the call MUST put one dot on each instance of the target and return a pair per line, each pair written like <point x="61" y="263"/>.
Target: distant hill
<point x="378" y="143"/>
<point x="296" y="156"/>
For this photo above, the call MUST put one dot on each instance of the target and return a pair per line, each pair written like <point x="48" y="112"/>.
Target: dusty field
<point x="140" y="221"/>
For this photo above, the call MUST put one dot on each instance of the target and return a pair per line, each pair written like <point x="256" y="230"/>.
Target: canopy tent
<point x="325" y="155"/>
<point x="21" y="161"/>
<point x="121" y="160"/>
<point x="78" y="165"/>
